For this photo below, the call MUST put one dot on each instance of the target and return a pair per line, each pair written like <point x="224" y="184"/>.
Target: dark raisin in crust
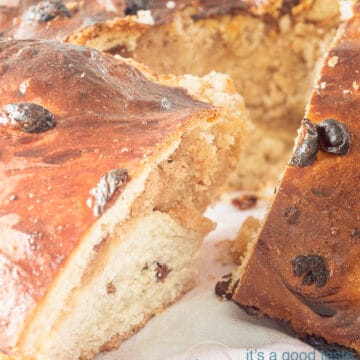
<point x="334" y="137"/>
<point x="329" y="135"/>
<point x="305" y="152"/>
<point x="32" y="118"/>
<point x="225" y="287"/>
<point x="323" y="346"/>
<point x="106" y="188"/>
<point x="314" y="267"/>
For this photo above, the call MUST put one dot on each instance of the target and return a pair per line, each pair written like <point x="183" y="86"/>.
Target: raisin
<point x="133" y="6"/>
<point x="314" y="268"/>
<point x="330" y="135"/>
<point x="45" y="11"/>
<point x="245" y="202"/>
<point x="300" y="265"/>
<point x="334" y="137"/>
<point x="322" y="345"/>
<point x="222" y="286"/>
<point x="110" y="288"/>
<point x="308" y="279"/>
<point x="292" y="215"/>
<point x="226" y="287"/>
<point x="32" y="118"/>
<point x="162" y="271"/>
<point x="106" y="188"/>
<point x="308" y="146"/>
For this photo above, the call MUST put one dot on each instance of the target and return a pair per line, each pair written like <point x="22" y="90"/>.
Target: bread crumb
<point x="332" y="62"/>
<point x="232" y="251"/>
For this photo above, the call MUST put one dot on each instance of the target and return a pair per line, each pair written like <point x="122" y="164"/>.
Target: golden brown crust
<point x="316" y="215"/>
<point x="22" y="21"/>
<point x="108" y="116"/>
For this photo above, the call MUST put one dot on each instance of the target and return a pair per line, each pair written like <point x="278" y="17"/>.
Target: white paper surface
<point x="201" y="327"/>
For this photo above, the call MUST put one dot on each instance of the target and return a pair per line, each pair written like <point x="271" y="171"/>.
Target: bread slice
<point x="304" y="266"/>
<point x="106" y="170"/>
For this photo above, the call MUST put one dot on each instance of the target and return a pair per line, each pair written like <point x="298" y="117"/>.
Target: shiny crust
<point x="85" y="14"/>
<point x="316" y="211"/>
<point x="82" y="14"/>
<point x="108" y="115"/>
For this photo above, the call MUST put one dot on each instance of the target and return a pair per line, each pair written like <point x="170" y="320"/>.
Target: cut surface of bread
<point x="106" y="170"/>
<point x="304" y="266"/>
